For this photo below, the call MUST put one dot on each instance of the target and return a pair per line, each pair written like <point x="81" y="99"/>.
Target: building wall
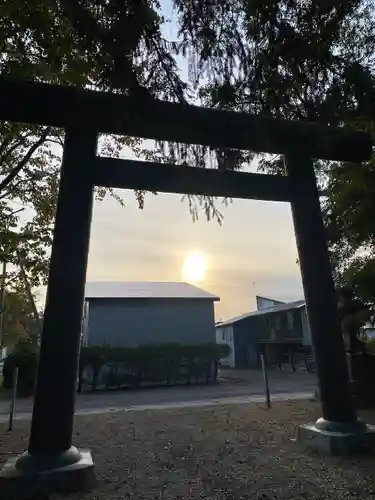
<point x="280" y="326"/>
<point x="305" y="328"/>
<point x="244" y="342"/>
<point x="225" y="335"/>
<point x="369" y="333"/>
<point x="85" y="322"/>
<point x="4" y="351"/>
<point x="251" y="333"/>
<point x="131" y="322"/>
<point x="264" y="303"/>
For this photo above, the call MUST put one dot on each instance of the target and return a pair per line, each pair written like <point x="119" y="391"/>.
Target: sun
<point x="194" y="267"/>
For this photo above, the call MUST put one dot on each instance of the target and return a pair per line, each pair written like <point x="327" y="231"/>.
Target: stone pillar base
<point x="18" y="483"/>
<point x="328" y="442"/>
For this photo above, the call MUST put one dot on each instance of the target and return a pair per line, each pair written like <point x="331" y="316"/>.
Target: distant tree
<point x="24" y="355"/>
<point x="349" y="215"/>
<point x="19" y="323"/>
<point x="305" y="60"/>
<point x="287" y="59"/>
<point x="353" y="315"/>
<point x="104" y="45"/>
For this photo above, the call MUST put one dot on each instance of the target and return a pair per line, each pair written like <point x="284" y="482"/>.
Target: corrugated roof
<point x="282" y="307"/>
<point x="144" y="290"/>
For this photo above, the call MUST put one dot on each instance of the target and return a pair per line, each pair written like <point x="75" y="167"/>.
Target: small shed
<point x="128" y="314"/>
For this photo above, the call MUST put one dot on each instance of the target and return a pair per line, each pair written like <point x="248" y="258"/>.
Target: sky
<point x="252" y="253"/>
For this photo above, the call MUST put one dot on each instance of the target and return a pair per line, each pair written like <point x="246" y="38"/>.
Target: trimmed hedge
<point x="25" y="357"/>
<point x="363" y="372"/>
<point x="156" y="364"/>
<point x="151" y="364"/>
<point x="370" y="346"/>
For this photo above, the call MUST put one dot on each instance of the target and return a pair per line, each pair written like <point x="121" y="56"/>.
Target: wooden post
<point x="14" y="396"/>
<point x="292" y="358"/>
<point x="2" y="301"/>
<point x="265" y="380"/>
<point x="349" y="363"/>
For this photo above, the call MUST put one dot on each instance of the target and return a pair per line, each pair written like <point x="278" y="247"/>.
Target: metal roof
<point x="282" y="307"/>
<point x="145" y="290"/>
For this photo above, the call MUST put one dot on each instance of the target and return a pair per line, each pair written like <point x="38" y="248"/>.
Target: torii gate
<point x="51" y="460"/>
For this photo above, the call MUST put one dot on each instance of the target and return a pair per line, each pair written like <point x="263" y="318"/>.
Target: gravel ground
<point x="228" y="452"/>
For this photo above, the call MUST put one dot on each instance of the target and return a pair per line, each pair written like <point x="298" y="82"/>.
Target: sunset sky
<point x="253" y="252"/>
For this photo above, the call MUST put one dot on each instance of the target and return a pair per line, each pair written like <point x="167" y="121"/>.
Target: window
<point x="226" y="335"/>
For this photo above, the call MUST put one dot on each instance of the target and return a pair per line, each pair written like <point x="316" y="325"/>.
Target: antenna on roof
<point x="255" y="295"/>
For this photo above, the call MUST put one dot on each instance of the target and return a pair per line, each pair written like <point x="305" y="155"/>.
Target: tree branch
<point x="16" y="170"/>
<point x="6" y="153"/>
<point x="5" y="143"/>
<point x="8" y="189"/>
<point x="57" y="141"/>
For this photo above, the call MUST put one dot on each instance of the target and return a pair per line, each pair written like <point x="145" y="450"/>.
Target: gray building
<point x="129" y="314"/>
<point x="278" y="330"/>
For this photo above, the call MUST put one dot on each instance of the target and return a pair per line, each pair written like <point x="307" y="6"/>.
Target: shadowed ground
<point x="229" y="452"/>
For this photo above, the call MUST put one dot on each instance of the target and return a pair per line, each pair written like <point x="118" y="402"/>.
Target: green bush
<point x="370" y="346"/>
<point x="95" y="357"/>
<point x="25" y="357"/>
<point x="157" y="363"/>
<point x="363" y="373"/>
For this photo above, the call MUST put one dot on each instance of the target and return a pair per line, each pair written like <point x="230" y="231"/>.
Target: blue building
<point x="128" y="314"/>
<point x="276" y="329"/>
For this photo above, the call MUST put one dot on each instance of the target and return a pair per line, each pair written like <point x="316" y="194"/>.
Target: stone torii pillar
<point x="339" y="430"/>
<point x="51" y="463"/>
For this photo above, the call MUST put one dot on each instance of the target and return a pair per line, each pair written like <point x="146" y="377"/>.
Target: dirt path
<point x="233" y="383"/>
<point x="232" y="452"/>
